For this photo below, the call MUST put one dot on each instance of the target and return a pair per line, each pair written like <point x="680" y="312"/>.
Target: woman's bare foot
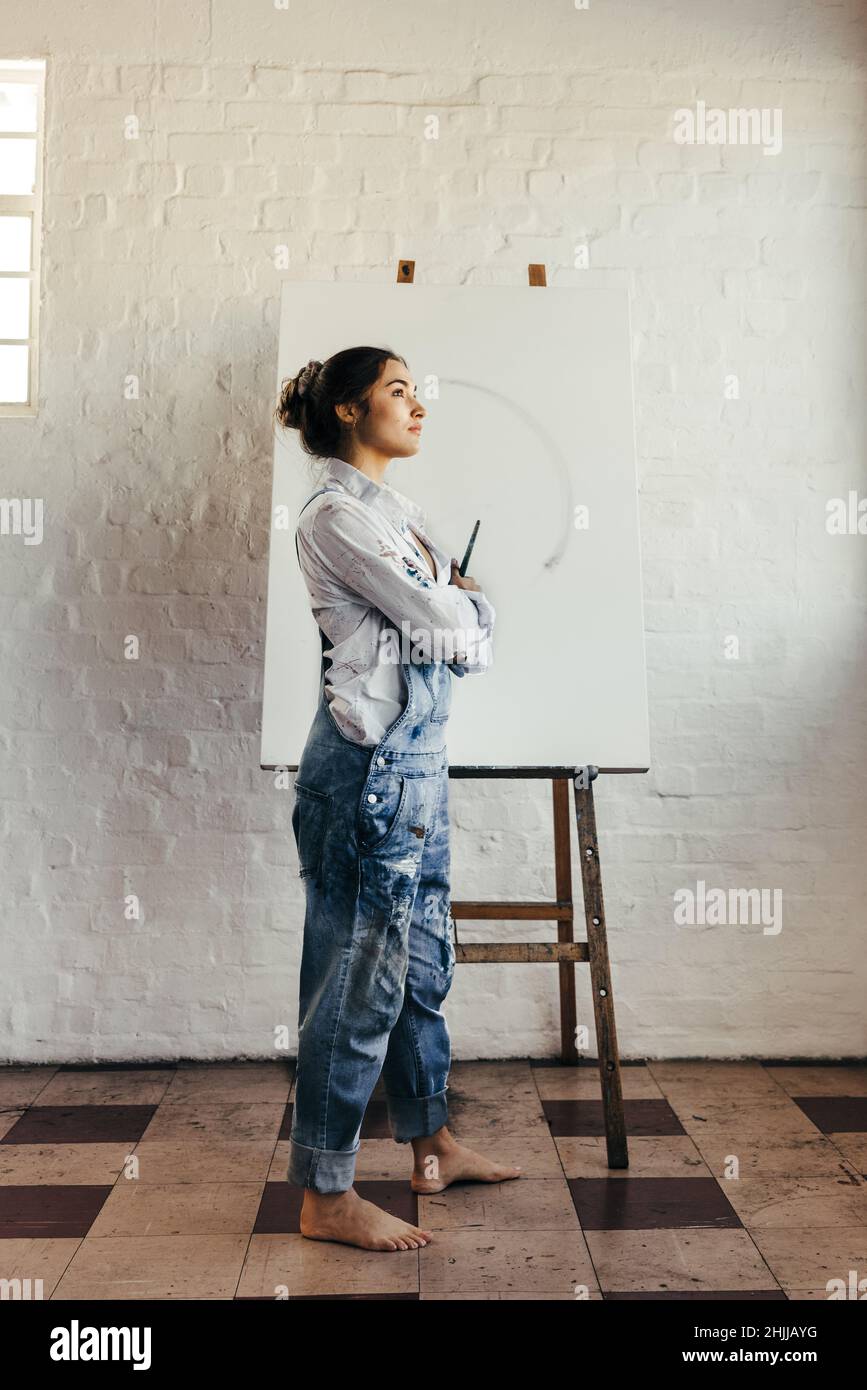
<point x="349" y="1219"/>
<point x="441" y="1160"/>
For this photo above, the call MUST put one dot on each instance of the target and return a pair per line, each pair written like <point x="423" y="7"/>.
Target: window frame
<point x="31" y="72"/>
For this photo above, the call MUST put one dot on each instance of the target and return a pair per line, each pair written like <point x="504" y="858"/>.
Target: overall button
<point x="380" y="762"/>
<point x="371" y="798"/>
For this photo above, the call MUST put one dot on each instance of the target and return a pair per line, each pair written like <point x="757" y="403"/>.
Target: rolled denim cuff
<point x="412" y="1117"/>
<point x="325" y="1170"/>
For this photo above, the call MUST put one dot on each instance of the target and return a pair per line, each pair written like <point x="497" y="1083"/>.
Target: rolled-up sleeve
<point x="344" y="537"/>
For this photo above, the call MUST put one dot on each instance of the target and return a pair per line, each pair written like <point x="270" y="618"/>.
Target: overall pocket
<point x="438" y="679"/>
<point x="309" y="823"/>
<point x="379" y="810"/>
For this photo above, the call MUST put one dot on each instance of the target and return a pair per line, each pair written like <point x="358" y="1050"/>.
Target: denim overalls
<point x="372" y="830"/>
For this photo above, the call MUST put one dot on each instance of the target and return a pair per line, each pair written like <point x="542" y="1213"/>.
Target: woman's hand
<point x="463" y="581"/>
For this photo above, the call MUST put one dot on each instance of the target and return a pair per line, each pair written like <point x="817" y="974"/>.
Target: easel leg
<point x="565" y="929"/>
<point x="600" y="974"/>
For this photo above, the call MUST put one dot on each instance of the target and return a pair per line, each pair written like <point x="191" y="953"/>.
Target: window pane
<point x="15" y="243"/>
<point x="17" y="106"/>
<point x="14" y="308"/>
<point x="17" y="165"/>
<point x="13" y="375"/>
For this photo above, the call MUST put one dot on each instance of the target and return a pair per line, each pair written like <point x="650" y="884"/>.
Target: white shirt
<point x="366" y="576"/>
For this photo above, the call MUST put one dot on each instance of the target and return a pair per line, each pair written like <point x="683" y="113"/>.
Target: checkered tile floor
<point x="746" y="1181"/>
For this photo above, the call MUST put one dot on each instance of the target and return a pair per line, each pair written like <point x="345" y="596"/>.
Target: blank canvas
<point x="530" y="428"/>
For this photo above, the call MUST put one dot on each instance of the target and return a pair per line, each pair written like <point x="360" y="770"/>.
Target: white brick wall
<point x="305" y="128"/>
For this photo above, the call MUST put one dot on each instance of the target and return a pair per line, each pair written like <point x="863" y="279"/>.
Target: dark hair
<point x="307" y="400"/>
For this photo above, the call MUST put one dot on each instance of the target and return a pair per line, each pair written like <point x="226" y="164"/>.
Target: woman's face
<point x="393" y="424"/>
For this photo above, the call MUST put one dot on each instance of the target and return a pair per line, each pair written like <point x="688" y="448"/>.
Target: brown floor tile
<point x="585" y="1118"/>
<point x="672" y="1156"/>
<point x="280" y="1208"/>
<point x="8" y="1118"/>
<point x="808" y="1259"/>
<point x="290" y="1265"/>
<point x="677" y="1260"/>
<point x="651" y="1203"/>
<point x="830" y="1114"/>
<point x="58" y="1212"/>
<point x="178" y="1209"/>
<point x="80" y="1124"/>
<point x="466" y="1261"/>
<point x="158" y="1267"/>
<point x="520" y="1204"/>
<point x="799" y="1202"/>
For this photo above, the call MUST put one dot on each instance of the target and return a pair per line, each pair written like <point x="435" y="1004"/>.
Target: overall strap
<point x="322" y="638"/>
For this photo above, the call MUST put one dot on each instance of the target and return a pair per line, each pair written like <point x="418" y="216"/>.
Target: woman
<point x="397" y="621"/>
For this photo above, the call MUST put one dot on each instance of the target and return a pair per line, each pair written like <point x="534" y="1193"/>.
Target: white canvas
<point x="530" y="415"/>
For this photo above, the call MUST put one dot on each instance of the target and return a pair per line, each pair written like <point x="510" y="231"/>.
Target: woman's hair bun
<point x="306" y="377"/>
<point x="294" y="393"/>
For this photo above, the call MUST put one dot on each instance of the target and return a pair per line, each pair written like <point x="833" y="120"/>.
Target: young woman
<point x="397" y="622"/>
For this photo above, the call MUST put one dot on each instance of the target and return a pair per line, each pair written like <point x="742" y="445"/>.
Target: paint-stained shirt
<point x="372" y="590"/>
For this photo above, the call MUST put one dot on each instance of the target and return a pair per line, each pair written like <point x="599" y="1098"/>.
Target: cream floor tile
<point x="853" y="1147"/>
<point x="178" y="1209"/>
<point x="821" y="1081"/>
<point x="287" y="1266"/>
<point x="466" y="1261"/>
<point x="494" y="1081"/>
<point x="522" y="1204"/>
<point x="666" y="1259"/>
<point x="585" y="1083"/>
<point x="588" y="1295"/>
<point x="689" y="1082"/>
<point x="202" y="1160"/>
<point x="535" y="1153"/>
<point x="496" y="1119"/>
<point x="93" y="1165"/>
<point x="21" y="1086"/>
<point x="777" y="1121"/>
<point x="133" y="1087"/>
<point x="159" y="1267"/>
<point x="230" y="1120"/>
<point x="268" y="1082"/>
<point x="759" y="1155"/>
<point x="798" y="1201"/>
<point x="36" y="1259"/>
<point x="807" y="1259"/>
<point x="650" y="1156"/>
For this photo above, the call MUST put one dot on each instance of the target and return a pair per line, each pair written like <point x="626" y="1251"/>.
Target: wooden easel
<point x="566" y="951"/>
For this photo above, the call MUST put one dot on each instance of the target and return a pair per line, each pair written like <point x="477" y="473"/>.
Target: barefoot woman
<point x="397" y="621"/>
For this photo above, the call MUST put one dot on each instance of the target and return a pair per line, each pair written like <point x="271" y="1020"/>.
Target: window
<point x="22" y="101"/>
